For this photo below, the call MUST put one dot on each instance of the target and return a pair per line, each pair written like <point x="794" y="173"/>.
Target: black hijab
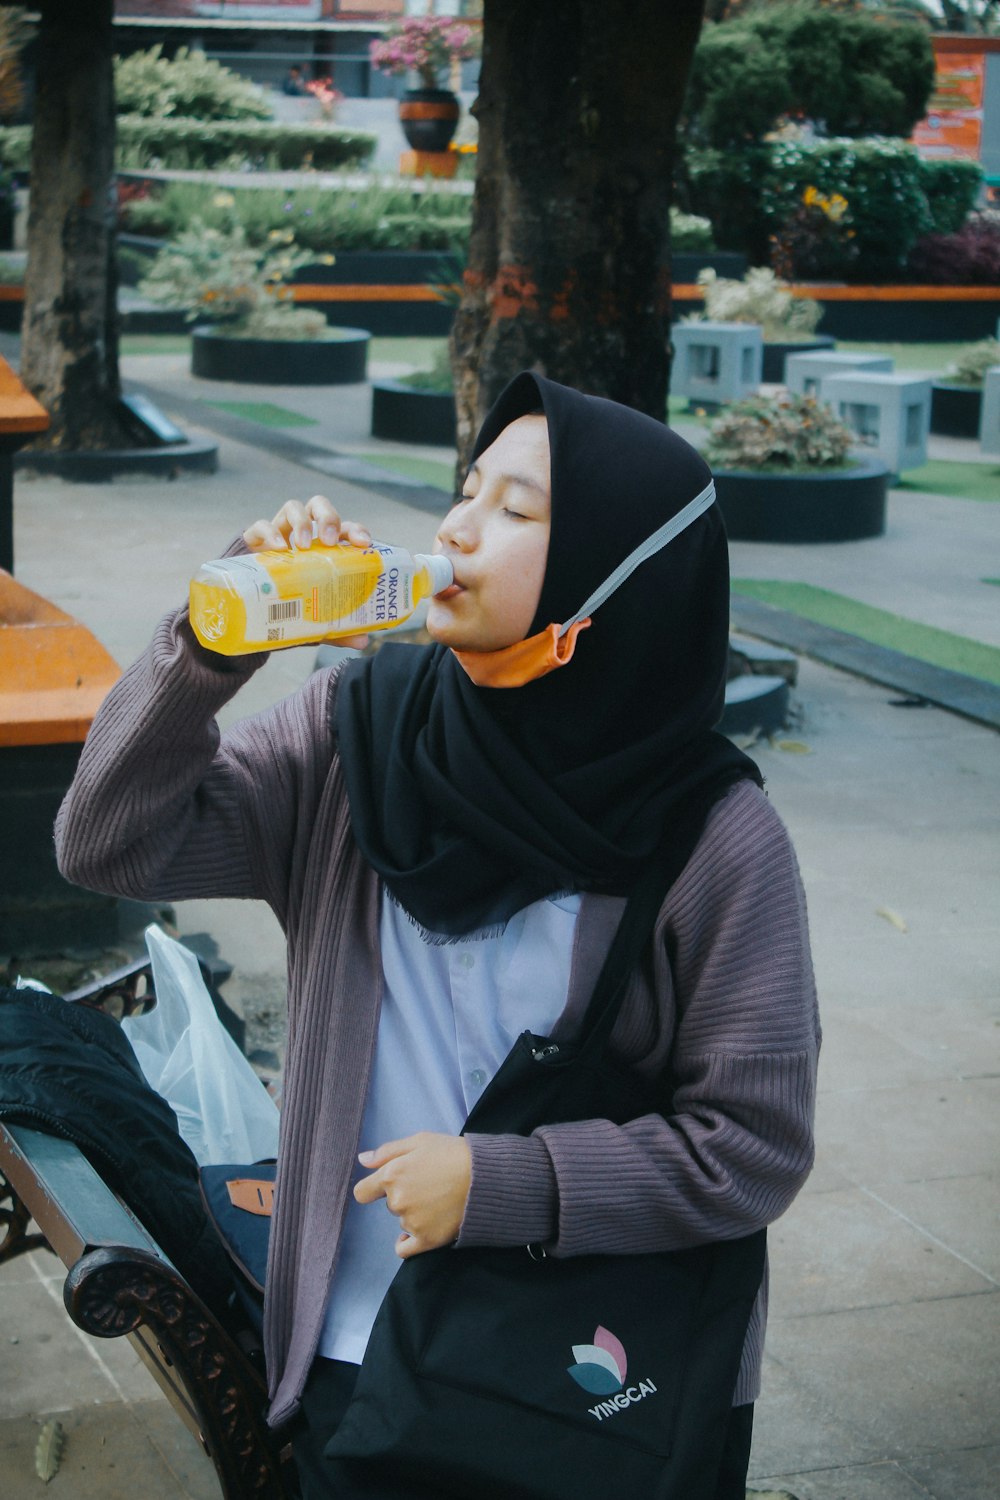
<point x="471" y="802"/>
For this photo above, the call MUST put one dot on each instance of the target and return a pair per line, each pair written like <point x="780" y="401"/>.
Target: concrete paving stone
<point x="972" y="1474"/>
<point x="842" y="1250"/>
<point x="911" y="1135"/>
<point x="859" y="1055"/>
<point x="881" y="1481"/>
<point x="962" y="1212"/>
<point x="799" y="1424"/>
<point x="896" y="1382"/>
<point x="47" y="1362"/>
<point x="117" y="1453"/>
<point x="956" y="1037"/>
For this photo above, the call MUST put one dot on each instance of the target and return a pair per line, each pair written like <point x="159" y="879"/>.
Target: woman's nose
<point x="457" y="530"/>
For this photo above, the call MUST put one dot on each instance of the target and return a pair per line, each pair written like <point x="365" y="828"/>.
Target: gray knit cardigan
<point x="164" y="808"/>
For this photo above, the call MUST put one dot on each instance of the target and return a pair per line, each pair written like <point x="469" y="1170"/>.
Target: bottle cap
<point x="440" y="568"/>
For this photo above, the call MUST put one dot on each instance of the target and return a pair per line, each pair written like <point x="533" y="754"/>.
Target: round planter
<point x="773" y="372"/>
<point x="429" y="118"/>
<point x="404" y="415"/>
<point x="216" y="355"/>
<point x="956" y="410"/>
<point x="844" y="505"/>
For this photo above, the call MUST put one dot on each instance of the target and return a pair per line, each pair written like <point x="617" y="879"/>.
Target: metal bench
<point x="119" y="1282"/>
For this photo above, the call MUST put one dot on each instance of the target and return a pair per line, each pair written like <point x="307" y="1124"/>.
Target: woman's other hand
<point x="424" y="1180"/>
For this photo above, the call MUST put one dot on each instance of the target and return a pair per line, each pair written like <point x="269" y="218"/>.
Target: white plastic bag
<point x="223" y="1111"/>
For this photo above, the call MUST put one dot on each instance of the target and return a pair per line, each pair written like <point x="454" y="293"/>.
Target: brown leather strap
<point x="254" y="1196"/>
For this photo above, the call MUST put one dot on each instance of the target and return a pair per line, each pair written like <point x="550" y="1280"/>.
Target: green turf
<point x="265" y="412"/>
<point x="991" y="580"/>
<point x="958" y="481"/>
<point x="933" y="357"/>
<point x="428" y="470"/>
<point x="418" y="352"/>
<point x="155" y="343"/>
<point x="939" y="647"/>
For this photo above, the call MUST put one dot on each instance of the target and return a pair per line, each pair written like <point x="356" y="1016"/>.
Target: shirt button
<point x="467" y="960"/>
<point x="477" y="1078"/>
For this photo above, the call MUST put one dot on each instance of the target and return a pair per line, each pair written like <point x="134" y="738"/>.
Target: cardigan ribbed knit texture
<point x="164" y="808"/>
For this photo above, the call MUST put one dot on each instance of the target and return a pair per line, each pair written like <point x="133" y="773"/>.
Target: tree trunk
<point x="69" y="357"/>
<point x="569" y="255"/>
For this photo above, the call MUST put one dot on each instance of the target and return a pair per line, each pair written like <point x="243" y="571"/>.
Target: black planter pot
<point x="386" y="291"/>
<point x="773" y="372"/>
<point x="341" y="361"/>
<point x="956" y="410"/>
<point x="845" y="505"/>
<point x="429" y="118"/>
<point x="404" y="415"/>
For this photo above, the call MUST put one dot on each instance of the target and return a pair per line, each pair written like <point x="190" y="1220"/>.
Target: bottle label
<point x="318" y="592"/>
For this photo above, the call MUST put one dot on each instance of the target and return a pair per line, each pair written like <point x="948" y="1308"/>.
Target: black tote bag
<point x="511" y="1374"/>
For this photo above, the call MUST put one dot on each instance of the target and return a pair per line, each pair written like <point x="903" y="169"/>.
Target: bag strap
<point x="639" y="918"/>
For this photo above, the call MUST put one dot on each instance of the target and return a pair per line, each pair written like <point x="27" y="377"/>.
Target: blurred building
<point x="262" y="39"/>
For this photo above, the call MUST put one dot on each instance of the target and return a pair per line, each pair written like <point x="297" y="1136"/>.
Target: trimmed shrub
<point x="15" y="147"/>
<point x="952" y="188"/>
<point x="191" y="86"/>
<point x="194" y="144"/>
<point x="380" y="217"/>
<point x="852" y="72"/>
<point x="882" y="182"/>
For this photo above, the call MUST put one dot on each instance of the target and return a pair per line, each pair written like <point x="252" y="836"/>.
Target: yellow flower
<point x="810" y="196"/>
<point x="223" y="200"/>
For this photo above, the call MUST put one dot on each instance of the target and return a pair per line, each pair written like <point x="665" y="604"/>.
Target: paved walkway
<point x="882" y="1366"/>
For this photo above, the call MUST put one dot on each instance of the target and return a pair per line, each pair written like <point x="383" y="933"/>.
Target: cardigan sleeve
<point x="734" y="985"/>
<point x="164" y="807"/>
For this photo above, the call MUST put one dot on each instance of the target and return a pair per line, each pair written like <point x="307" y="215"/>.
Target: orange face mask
<point x="524" y="661"/>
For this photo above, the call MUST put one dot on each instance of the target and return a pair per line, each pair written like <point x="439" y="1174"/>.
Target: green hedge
<point x="382" y="216"/>
<point x="893" y="198"/>
<point x="202" y="145"/>
<point x="952" y="188"/>
<point x="199" y="144"/>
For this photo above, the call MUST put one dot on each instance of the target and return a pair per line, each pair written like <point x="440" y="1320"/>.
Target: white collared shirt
<point x="450" y="1014"/>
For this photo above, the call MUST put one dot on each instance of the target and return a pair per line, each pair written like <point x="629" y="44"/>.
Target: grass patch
<point x="418" y="352"/>
<point x="155" y="343"/>
<point x="941" y="648"/>
<point x="956" y="480"/>
<point x="264" y="412"/>
<point x="991" y="580"/>
<point x="932" y="357"/>
<point x="430" y="471"/>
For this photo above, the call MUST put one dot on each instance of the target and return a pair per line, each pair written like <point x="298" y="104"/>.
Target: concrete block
<point x="716" y="362"/>
<point x="803" y="372"/>
<point x="891" y="414"/>
<point x="989" y="421"/>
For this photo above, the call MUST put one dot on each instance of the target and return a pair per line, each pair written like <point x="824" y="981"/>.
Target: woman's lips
<point x="451" y="591"/>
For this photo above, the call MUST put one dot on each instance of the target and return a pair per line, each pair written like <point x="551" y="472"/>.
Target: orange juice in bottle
<point x="265" y="601"/>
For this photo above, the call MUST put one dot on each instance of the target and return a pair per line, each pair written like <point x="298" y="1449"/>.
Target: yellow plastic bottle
<point x="269" y="600"/>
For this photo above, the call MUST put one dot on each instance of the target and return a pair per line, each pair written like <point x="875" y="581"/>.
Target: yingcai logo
<point x="601" y="1368"/>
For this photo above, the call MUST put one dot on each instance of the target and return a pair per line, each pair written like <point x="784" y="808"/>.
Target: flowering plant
<point x="326" y="96"/>
<point x="425" y="45"/>
<point x="759" y="298"/>
<point x="780" y="432"/>
<point x="973" y="362"/>
<point x="816" y="238"/>
<point x="218" y="276"/>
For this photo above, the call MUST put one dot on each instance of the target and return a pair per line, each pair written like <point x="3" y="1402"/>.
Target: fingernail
<point x="303" y="537"/>
<point x="331" y="535"/>
<point x="366" y="1158"/>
